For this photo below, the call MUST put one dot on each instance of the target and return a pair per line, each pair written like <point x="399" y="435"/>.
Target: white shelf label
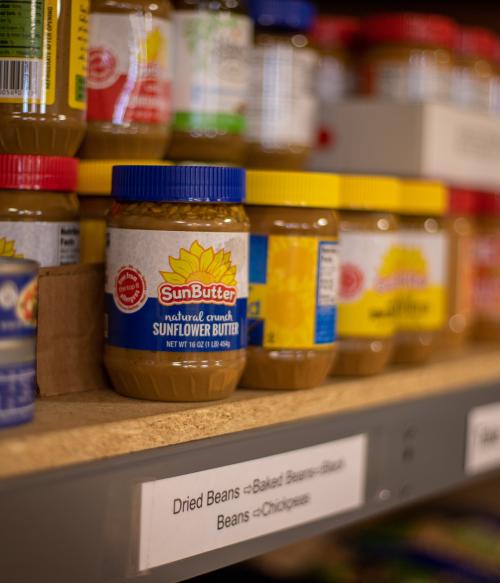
<point x="483" y="439"/>
<point x="195" y="513"/>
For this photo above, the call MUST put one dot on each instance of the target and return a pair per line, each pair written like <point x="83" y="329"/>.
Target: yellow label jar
<point x="368" y="263"/>
<point x="293" y="279"/>
<point x="423" y="270"/>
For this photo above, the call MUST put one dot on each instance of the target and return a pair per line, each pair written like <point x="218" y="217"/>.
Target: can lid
<point x="410" y="27"/>
<point x="423" y="197"/>
<point x="211" y="184"/>
<point x="369" y="193"/>
<point x="475" y="41"/>
<point x="463" y="201"/>
<point x="335" y="31"/>
<point x="94" y="176"/>
<point x="293" y="189"/>
<point x="50" y="173"/>
<point x="283" y="14"/>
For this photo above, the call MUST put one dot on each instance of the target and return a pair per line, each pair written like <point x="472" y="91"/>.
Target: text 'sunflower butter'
<point x="177" y="282"/>
<point x="293" y="279"/>
<point x="422" y="307"/>
<point x="369" y="278"/>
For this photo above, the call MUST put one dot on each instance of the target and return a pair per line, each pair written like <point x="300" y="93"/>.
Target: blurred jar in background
<point x="495" y="83"/>
<point x="408" y="56"/>
<point x="473" y="72"/>
<point x="282" y="101"/>
<point x="460" y="224"/>
<point x="487" y="268"/>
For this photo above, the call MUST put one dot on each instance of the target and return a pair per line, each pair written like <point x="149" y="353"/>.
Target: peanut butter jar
<point x="94" y="194"/>
<point x="422" y="305"/>
<point x="368" y="274"/>
<point x="130" y="80"/>
<point x="293" y="279"/>
<point x="43" y="70"/>
<point x="211" y="78"/>
<point x="39" y="209"/>
<point x="408" y="56"/>
<point x="281" y="123"/>
<point x="177" y="282"/>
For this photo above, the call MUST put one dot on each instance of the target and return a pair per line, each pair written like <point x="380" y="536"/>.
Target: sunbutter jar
<point x="177" y="282"/>
<point x="368" y="273"/>
<point x="130" y="80"/>
<point x="293" y="279"/>
<point x="282" y="103"/>
<point x="409" y="56"/>
<point x="39" y="209"/>
<point x="94" y="190"/>
<point x="211" y="77"/>
<point x="423" y="270"/>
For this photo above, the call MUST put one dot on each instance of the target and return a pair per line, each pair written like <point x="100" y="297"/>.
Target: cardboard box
<point x="430" y="140"/>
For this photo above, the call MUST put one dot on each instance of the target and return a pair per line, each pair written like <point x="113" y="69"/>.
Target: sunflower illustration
<point x="8" y="249"/>
<point x="201" y="265"/>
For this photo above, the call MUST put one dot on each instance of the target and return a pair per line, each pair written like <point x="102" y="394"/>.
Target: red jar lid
<point x="474" y="41"/>
<point x="462" y="201"/>
<point x="335" y="31"/>
<point x="410" y="27"/>
<point x="496" y="51"/>
<point x="38" y="173"/>
<point x="488" y="204"/>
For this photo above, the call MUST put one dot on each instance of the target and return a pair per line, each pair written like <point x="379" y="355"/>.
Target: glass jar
<point x="473" y="71"/>
<point x="424" y="271"/>
<point x="43" y="69"/>
<point x="409" y="57"/>
<point x="130" y="78"/>
<point x="282" y="102"/>
<point x="94" y="194"/>
<point x="293" y="279"/>
<point x="177" y="282"/>
<point x="212" y="46"/>
<point x="460" y="224"/>
<point x="368" y="274"/>
<point x="39" y="210"/>
<point x="487" y="269"/>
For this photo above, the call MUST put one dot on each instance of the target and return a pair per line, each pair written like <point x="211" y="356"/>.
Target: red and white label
<point x="130" y="69"/>
<point x="130" y="289"/>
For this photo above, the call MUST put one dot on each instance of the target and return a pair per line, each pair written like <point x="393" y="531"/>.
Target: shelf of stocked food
<point x="116" y="489"/>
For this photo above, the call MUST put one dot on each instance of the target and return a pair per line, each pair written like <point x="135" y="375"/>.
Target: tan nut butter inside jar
<point x="368" y="268"/>
<point x="39" y="209"/>
<point x="212" y="45"/>
<point x="177" y="282"/>
<point x="43" y="69"/>
<point x="423" y="269"/>
<point x="130" y="77"/>
<point x="293" y="279"/>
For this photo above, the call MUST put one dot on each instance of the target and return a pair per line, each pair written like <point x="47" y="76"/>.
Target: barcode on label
<point x="21" y="78"/>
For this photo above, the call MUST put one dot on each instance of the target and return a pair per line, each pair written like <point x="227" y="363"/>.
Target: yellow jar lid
<point x="423" y="197"/>
<point x="299" y="189"/>
<point x="94" y="177"/>
<point x="369" y="193"/>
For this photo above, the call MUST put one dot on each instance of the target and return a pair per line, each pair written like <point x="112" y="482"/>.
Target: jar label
<point x="423" y="80"/>
<point x="211" y="71"/>
<point x="17" y="393"/>
<point x="176" y="291"/>
<point x="282" y="102"/>
<point x="28" y="51"/>
<point x="130" y="69"/>
<point x="487" y="276"/>
<point x="293" y="292"/>
<point x="78" y="50"/>
<point x="423" y="272"/>
<point x="368" y="284"/>
<point x="51" y="244"/>
<point x="471" y="89"/>
<point x="18" y="305"/>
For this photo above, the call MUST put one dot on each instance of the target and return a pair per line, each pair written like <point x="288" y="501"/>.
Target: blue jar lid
<point x="179" y="184"/>
<point x="293" y="15"/>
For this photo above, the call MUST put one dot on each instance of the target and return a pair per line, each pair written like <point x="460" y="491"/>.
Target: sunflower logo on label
<point x="8" y="249"/>
<point x="199" y="275"/>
